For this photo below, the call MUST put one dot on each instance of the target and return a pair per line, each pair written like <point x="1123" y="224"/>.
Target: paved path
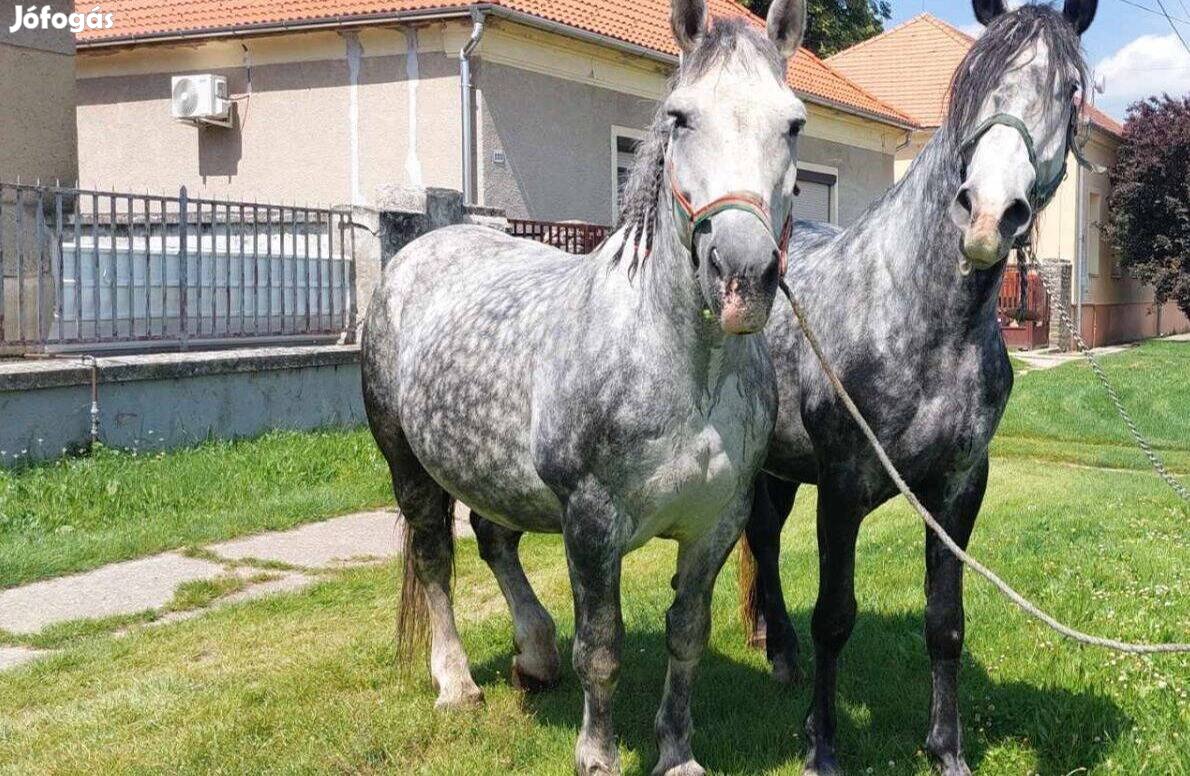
<point x="134" y="586"/>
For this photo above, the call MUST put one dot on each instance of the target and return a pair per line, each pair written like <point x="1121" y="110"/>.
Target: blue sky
<point x="1135" y="51"/>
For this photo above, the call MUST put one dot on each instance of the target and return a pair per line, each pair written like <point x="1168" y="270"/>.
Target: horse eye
<point x="795" y="128"/>
<point x="679" y="119"/>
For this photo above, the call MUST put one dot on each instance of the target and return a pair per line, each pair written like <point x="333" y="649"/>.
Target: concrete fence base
<point x="162" y="401"/>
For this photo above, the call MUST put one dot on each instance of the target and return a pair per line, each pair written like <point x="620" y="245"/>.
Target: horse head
<point x="1014" y="109"/>
<point x="724" y="150"/>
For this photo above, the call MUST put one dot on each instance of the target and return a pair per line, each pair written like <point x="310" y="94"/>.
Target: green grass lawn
<point x="305" y="682"/>
<point x="80" y="513"/>
<point x="84" y="512"/>
<point x="1063" y="413"/>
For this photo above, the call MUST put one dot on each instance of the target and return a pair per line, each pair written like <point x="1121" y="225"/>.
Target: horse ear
<point x="986" y="10"/>
<point x="689" y="20"/>
<point x="787" y="25"/>
<point x="1080" y="13"/>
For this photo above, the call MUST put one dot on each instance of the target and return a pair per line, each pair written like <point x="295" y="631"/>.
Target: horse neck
<point x="909" y="240"/>
<point x="670" y="303"/>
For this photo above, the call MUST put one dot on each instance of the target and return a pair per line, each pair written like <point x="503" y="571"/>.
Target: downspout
<point x="468" y="93"/>
<point x="1080" y="250"/>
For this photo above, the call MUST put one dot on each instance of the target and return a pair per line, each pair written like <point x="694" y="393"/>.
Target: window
<point x="624" y="145"/>
<point x="817" y="192"/>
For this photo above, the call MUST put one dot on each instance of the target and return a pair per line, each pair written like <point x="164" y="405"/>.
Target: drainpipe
<point x="1080" y="248"/>
<point x="468" y="93"/>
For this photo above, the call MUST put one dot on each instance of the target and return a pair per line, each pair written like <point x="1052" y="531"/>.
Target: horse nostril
<point x="1016" y="217"/>
<point x="771" y="272"/>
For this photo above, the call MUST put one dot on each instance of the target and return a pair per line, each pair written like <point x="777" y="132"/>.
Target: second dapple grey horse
<point x="611" y="398"/>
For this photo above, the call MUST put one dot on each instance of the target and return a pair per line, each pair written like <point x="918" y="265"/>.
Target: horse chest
<point x="691" y="476"/>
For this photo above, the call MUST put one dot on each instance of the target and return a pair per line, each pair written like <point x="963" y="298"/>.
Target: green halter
<point x="1044" y="186"/>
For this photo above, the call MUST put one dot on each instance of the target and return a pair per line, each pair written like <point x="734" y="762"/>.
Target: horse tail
<point x="747" y="577"/>
<point x="413" y="612"/>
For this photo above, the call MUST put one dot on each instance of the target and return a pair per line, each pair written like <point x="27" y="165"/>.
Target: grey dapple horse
<point x="612" y="398"/>
<point x="904" y="302"/>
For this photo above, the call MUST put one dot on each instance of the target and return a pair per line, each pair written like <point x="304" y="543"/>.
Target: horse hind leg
<point x="764" y="607"/>
<point x="536" y="666"/>
<point x="426" y="604"/>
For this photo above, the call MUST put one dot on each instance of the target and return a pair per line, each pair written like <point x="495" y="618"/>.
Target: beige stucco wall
<point x="294" y="130"/>
<point x="37" y="90"/>
<point x="547" y="102"/>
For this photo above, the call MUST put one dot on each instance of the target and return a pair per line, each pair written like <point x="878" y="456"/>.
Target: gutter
<point x="467" y="92"/>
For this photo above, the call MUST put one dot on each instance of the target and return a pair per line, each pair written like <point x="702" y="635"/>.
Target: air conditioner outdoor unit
<point x="201" y="99"/>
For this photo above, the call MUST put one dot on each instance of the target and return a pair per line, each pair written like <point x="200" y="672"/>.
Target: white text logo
<point x="46" y="18"/>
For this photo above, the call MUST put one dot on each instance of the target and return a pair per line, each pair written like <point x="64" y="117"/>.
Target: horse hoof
<point x="590" y="759"/>
<point x="822" y="766"/>
<point x="688" y="768"/>
<point x="951" y="765"/>
<point x="787" y="671"/>
<point x="460" y="698"/>
<point x="527" y="682"/>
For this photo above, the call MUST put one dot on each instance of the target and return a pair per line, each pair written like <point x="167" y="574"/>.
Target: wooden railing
<point x="572" y="237"/>
<point x="1036" y="308"/>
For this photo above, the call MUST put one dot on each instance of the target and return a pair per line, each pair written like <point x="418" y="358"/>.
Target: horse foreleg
<point x="593" y="554"/>
<point x="687" y="629"/>
<point x="955" y="504"/>
<point x="771" y="505"/>
<point x="839" y="518"/>
<point x="536" y="665"/>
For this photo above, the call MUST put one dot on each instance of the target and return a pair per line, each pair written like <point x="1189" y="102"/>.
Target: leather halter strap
<point x="1043" y="190"/>
<point x="690" y="218"/>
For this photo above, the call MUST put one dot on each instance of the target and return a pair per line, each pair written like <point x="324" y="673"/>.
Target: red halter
<point x="746" y="201"/>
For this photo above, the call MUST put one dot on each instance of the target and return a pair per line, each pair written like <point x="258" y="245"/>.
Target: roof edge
<point x="264" y="28"/>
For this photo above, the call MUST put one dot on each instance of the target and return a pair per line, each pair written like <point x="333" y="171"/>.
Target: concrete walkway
<point x="295" y="559"/>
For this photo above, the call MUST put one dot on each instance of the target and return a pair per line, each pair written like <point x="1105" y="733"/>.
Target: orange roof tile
<point x="643" y="23"/>
<point x="911" y="67"/>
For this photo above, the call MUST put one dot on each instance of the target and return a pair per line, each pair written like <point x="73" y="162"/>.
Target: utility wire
<point x="1173" y="26"/>
<point x="1155" y="12"/>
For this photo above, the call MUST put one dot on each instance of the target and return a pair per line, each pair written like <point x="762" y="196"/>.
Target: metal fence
<point x="572" y="237"/>
<point x="87" y="268"/>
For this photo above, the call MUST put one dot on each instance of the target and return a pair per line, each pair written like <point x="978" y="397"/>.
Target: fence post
<point x="183" y="271"/>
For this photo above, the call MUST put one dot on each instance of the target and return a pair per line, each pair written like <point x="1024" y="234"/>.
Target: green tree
<point x="836" y="24"/>
<point x="1149" y="206"/>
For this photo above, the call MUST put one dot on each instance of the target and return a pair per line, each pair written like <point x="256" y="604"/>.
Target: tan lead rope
<point x="1027" y="606"/>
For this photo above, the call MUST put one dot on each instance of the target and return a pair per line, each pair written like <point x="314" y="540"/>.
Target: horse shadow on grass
<point x="747" y="723"/>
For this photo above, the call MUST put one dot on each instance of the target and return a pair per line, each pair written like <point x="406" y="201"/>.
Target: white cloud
<point x="1149" y="65"/>
<point x="974" y="29"/>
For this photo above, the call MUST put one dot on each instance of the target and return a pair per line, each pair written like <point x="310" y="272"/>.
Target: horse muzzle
<point x="742" y="275"/>
<point x="989" y="225"/>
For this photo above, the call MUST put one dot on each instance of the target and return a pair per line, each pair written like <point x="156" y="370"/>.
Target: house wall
<point x="556" y="138"/>
<point x="544" y="92"/>
<point x="546" y="102"/>
<point x="296" y="136"/>
<point x="37" y="133"/>
<point x="864" y="173"/>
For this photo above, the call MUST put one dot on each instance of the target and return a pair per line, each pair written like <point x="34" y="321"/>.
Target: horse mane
<point x="992" y="55"/>
<point x="643" y="190"/>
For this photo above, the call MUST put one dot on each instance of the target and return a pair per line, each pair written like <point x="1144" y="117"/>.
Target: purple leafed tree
<point x="1150" y="200"/>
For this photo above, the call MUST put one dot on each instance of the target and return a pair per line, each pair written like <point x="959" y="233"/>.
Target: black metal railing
<point x="82" y="268"/>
